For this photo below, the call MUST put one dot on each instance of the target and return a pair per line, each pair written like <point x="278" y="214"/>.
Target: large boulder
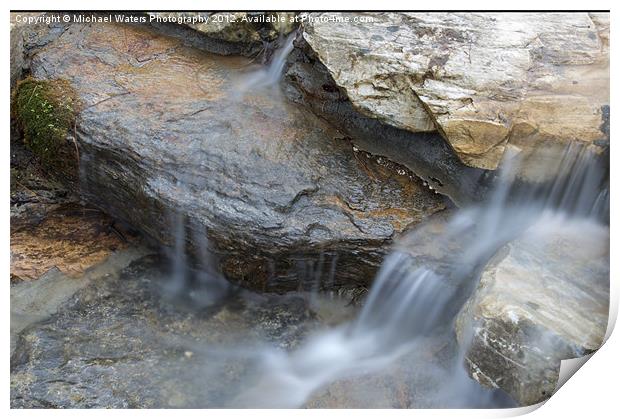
<point x="308" y="82"/>
<point x="284" y="200"/>
<point x="543" y="298"/>
<point x="483" y="80"/>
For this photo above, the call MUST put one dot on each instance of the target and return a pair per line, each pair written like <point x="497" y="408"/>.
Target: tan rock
<point x="482" y="79"/>
<point x="543" y="298"/>
<point x="69" y="238"/>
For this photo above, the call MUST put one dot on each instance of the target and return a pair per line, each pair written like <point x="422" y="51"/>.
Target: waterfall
<point x="198" y="282"/>
<point x="270" y="75"/>
<point x="415" y="299"/>
<point x="204" y="285"/>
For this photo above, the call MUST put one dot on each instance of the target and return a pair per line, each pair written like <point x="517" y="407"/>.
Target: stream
<point x="164" y="329"/>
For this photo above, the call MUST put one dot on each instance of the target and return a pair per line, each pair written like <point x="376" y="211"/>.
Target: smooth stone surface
<point x="483" y="80"/>
<point x="283" y="199"/>
<point x="543" y="298"/>
<point x="69" y="237"/>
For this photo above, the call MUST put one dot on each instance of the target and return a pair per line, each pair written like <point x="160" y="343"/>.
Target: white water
<point x="412" y="305"/>
<point x="414" y="300"/>
<point x="199" y="284"/>
<point x="267" y="76"/>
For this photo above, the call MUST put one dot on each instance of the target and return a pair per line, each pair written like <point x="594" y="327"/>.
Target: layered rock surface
<point x="162" y="133"/>
<point x="27" y="37"/>
<point x="539" y="301"/>
<point x="483" y="81"/>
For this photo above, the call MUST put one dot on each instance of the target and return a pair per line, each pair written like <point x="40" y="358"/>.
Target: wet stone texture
<point x="307" y="81"/>
<point x="50" y="229"/>
<point x="119" y="343"/>
<point x="122" y="342"/>
<point x="70" y="238"/>
<point x="163" y="135"/>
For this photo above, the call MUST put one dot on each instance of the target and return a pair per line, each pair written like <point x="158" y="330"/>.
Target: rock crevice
<point x="483" y="80"/>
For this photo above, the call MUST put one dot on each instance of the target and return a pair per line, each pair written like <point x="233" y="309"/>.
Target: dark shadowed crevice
<point x="428" y="155"/>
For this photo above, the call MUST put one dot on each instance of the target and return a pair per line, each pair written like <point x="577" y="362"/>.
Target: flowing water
<point x="409" y="313"/>
<point x="207" y="343"/>
<point x="268" y="76"/>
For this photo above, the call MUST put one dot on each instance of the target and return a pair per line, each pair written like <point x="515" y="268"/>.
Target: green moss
<point x="45" y="111"/>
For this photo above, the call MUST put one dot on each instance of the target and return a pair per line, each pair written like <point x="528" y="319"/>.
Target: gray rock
<point x="543" y="298"/>
<point x="483" y="80"/>
<point x="35" y="301"/>
<point x="26" y="38"/>
<point x="118" y="342"/>
<point x="121" y="342"/>
<point x="17" y="51"/>
<point x="278" y="191"/>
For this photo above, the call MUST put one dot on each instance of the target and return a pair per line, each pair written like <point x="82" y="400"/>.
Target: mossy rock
<point x="45" y="111"/>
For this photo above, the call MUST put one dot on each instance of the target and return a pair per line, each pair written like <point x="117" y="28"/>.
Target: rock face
<point x="539" y="301"/>
<point x="283" y="198"/>
<point x="308" y="82"/>
<point x="228" y="33"/>
<point x="17" y="48"/>
<point x="50" y="229"/>
<point x="483" y="81"/>
<point x="69" y="238"/>
<point x="27" y="38"/>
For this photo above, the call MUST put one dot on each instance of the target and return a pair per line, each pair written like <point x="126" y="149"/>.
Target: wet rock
<point x="50" y="228"/>
<point x="27" y="37"/>
<point x="227" y="33"/>
<point x="419" y="379"/>
<point x="308" y="82"/>
<point x="481" y="80"/>
<point x="36" y="301"/>
<point x="33" y="192"/>
<point x="118" y="342"/>
<point x="284" y="200"/>
<point x="69" y="237"/>
<point x="543" y="298"/>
